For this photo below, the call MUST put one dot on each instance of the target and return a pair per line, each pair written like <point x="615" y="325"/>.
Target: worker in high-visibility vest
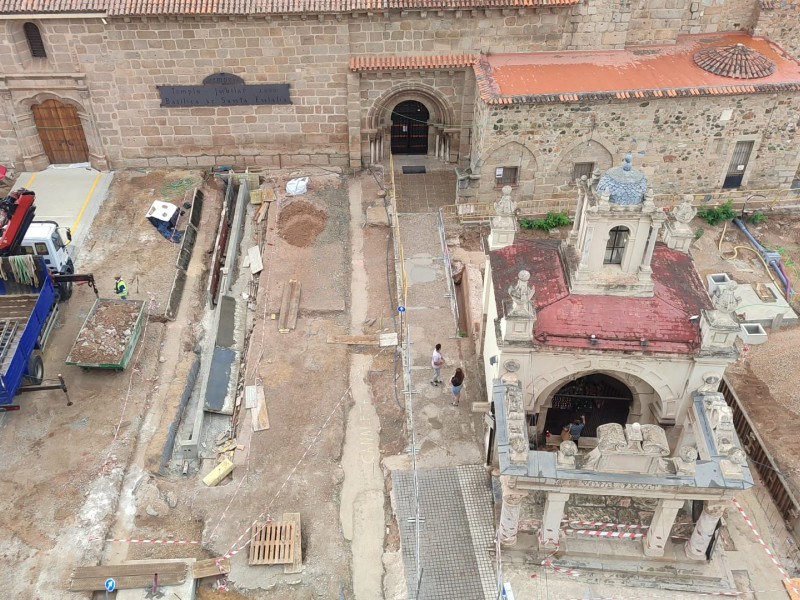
<point x="120" y="289"/>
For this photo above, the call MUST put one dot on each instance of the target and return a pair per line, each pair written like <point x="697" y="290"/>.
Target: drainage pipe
<point x="771" y="257"/>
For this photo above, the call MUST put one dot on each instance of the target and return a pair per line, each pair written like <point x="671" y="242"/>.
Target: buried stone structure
<point x="614" y="328"/>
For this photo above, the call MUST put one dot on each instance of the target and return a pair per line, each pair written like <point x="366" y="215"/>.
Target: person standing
<point x="120" y="289"/>
<point x="576" y="428"/>
<point x="457" y="381"/>
<point x="437" y="362"/>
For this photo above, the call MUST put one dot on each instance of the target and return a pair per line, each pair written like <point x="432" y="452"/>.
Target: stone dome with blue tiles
<point x="625" y="184"/>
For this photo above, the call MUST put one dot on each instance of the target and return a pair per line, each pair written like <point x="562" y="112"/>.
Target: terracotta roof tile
<point x="388" y="63"/>
<point x="567" y="320"/>
<point x="735" y="60"/>
<point x="651" y="72"/>
<point x="254" y="7"/>
<point x="52" y="6"/>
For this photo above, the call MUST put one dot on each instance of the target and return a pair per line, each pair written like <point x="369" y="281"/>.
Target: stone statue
<point x="725" y="297"/>
<point x="592" y="460"/>
<point x="505" y="206"/>
<point x="566" y="455"/>
<point x="685" y="461"/>
<point x="649" y="200"/>
<point x="521" y="296"/>
<point x="684" y="212"/>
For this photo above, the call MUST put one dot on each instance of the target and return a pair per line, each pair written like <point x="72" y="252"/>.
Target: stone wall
<point x="711" y="16"/>
<point x="681" y="144"/>
<point x="781" y="24"/>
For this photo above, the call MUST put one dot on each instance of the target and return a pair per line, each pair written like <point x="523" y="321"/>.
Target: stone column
<point x="509" y="514"/>
<point x="354" y="119"/>
<point x="660" y="526"/>
<point x="576" y="223"/>
<point x="551" y="519"/>
<point x="651" y="244"/>
<point x="704" y="530"/>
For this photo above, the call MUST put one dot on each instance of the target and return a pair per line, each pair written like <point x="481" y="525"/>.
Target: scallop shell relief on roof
<point x="736" y="61"/>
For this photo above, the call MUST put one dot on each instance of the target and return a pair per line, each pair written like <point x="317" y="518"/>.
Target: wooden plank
<point x="290" y="304"/>
<point x="792" y="583"/>
<point x="387" y="339"/>
<point x="297" y="564"/>
<point x="258" y="414"/>
<point x="126" y="582"/>
<point x="272" y="543"/>
<point x="354" y="340"/>
<point x="254" y="254"/>
<point x="218" y="473"/>
<point x="210" y="568"/>
<point x="133" y="569"/>
<point x="250" y="396"/>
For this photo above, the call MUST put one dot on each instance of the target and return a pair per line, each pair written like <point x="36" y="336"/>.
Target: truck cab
<point x="44" y="239"/>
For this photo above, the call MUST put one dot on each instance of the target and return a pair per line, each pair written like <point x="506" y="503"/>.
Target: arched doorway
<point x="600" y="398"/>
<point x="61" y="132"/>
<point x="410" y="128"/>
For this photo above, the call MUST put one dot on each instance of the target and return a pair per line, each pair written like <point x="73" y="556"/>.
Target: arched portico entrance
<point x="61" y="132"/>
<point x="599" y="397"/>
<point x="411" y="118"/>
<point x="410" y="128"/>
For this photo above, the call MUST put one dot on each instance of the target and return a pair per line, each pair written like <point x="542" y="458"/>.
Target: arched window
<point x="35" y="41"/>
<point x="615" y="248"/>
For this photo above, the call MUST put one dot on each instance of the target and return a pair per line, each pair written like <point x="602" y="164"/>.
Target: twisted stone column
<point x="509" y="514"/>
<point x="704" y="530"/>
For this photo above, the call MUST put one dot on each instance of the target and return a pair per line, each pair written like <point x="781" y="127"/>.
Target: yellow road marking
<point x="30" y="181"/>
<point x="85" y="202"/>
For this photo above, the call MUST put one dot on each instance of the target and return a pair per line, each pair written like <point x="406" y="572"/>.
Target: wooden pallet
<point x="212" y="567"/>
<point x="130" y="576"/>
<point x="297" y="564"/>
<point x="272" y="543"/>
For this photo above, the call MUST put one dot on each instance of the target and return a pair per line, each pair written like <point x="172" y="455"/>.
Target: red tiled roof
<point x="255" y="7"/>
<point x="735" y="60"/>
<point x="52" y="6"/>
<point x="619" y="322"/>
<point x="436" y="61"/>
<point x="639" y="72"/>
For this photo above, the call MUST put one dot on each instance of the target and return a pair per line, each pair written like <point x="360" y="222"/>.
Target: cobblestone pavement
<point x="456" y="534"/>
<point x="424" y="192"/>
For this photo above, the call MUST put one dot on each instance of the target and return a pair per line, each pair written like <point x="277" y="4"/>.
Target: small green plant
<point x="757" y="218"/>
<point x="717" y="214"/>
<point x="462" y="333"/>
<point x="699" y="233"/>
<point x="551" y="221"/>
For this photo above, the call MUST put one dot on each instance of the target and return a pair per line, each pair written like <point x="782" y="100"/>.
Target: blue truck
<point x="30" y="290"/>
<point x="28" y="311"/>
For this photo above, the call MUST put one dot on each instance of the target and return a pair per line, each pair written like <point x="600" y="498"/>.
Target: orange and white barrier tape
<point x="129" y="541"/>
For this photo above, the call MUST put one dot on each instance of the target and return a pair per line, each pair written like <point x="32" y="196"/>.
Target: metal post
<point x="155" y="583"/>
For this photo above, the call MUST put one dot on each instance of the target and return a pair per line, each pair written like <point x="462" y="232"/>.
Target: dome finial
<point x="627" y="165"/>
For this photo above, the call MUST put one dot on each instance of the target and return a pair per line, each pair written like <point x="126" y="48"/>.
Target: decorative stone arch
<point x="588" y="149"/>
<point x="507" y="154"/>
<point x="33" y="154"/>
<point x="646" y="385"/>
<point x="442" y="135"/>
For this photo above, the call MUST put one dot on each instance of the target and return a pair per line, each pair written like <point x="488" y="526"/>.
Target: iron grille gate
<point x="738" y="165"/>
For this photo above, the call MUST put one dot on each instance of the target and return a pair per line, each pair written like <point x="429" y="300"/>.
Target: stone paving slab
<point x="456" y="532"/>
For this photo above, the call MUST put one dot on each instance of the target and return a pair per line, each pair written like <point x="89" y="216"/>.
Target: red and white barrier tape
<point x="233" y="550"/>
<point x="786" y="577"/>
<point x="600" y="524"/>
<point x="614" y="534"/>
<point x="678" y="596"/>
<point x="563" y="570"/>
<point x="153" y="541"/>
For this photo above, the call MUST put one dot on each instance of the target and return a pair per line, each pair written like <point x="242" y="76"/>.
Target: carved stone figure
<point x="725" y="297"/>
<point x="710" y="384"/>
<point x="566" y="455"/>
<point x="505" y="206"/>
<point x="684" y="212"/>
<point x="592" y="460"/>
<point x="521" y="294"/>
<point x="685" y="461"/>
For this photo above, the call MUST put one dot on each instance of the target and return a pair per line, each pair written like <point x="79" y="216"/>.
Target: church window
<point x="505" y="176"/>
<point x="35" y="41"/>
<point x="617" y="239"/>
<point x="582" y="168"/>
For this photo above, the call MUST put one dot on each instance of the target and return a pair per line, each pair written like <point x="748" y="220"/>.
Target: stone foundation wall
<point x="681" y="144"/>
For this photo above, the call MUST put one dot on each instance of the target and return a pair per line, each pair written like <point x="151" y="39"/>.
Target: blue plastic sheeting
<point x="167" y="229"/>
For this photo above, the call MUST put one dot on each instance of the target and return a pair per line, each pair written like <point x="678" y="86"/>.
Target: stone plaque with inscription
<point x="224" y="89"/>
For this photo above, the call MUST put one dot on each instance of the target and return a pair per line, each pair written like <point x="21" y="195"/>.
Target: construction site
<point x="255" y="418"/>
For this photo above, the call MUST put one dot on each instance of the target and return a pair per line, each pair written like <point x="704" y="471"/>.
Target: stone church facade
<point x="84" y="81"/>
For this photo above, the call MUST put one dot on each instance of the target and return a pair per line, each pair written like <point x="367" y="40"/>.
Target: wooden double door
<point x="61" y="132"/>
<point x="410" y="128"/>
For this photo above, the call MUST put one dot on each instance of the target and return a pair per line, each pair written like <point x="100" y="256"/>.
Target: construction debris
<point x="290" y="304"/>
<point x="218" y="473"/>
<point x="129" y="576"/>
